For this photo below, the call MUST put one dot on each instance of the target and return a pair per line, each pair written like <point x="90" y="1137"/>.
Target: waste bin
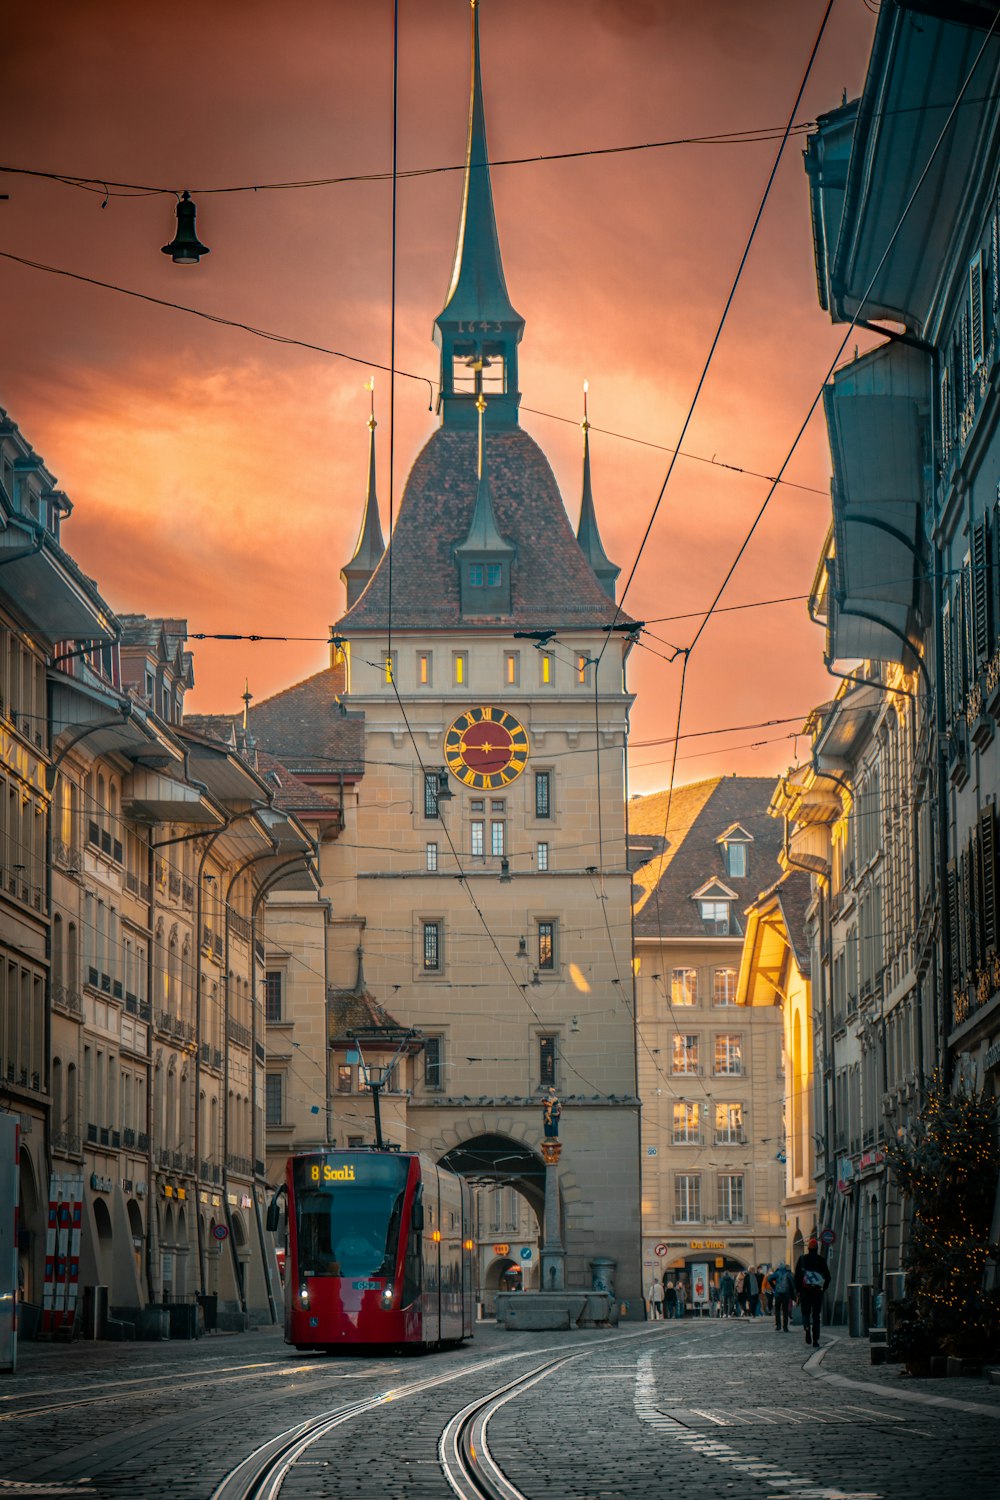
<point x="895" y="1286"/>
<point x="95" y="1312"/>
<point x="859" y="1309"/>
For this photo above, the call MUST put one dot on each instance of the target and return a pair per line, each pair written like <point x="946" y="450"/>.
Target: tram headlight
<point x="387" y="1294"/>
<point x="303" y="1295"/>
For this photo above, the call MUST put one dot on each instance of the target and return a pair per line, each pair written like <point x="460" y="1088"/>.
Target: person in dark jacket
<point x="812" y="1277"/>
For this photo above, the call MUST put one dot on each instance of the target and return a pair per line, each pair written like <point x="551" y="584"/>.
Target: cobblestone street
<point x="698" y="1408"/>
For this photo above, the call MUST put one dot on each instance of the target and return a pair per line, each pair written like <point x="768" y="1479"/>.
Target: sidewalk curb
<point x="812" y="1367"/>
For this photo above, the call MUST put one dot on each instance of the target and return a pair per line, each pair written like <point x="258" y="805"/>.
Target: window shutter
<point x="949" y="674"/>
<point x="953" y="923"/>
<point x="988" y="877"/>
<point x="968" y="638"/>
<point x="945" y="413"/>
<point x="981" y="590"/>
<point x="976" y="311"/>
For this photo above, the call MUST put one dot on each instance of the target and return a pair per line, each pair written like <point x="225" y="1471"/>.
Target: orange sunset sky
<point x="219" y="477"/>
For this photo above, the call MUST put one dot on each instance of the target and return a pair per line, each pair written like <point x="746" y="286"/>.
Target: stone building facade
<point x="710" y="1069"/>
<point x="137" y="854"/>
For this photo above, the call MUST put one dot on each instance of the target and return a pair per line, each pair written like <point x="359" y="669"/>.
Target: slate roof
<point x="553" y="585"/>
<point x="792" y="893"/>
<point x="304" y="727"/>
<point x="351" y="1010"/>
<point x="699" y="813"/>
<point x="291" y="793"/>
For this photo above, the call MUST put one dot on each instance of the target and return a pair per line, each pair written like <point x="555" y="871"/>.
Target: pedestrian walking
<point x="812" y="1277"/>
<point x="727" y="1294"/>
<point x="669" y="1297"/>
<point x="783" y="1295"/>
<point x="655" y="1299"/>
<point x="681" y="1297"/>
<point x="741" y="1294"/>
<point x="752" y="1285"/>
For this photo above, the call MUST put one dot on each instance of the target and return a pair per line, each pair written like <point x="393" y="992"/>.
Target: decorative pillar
<point x="553" y="1254"/>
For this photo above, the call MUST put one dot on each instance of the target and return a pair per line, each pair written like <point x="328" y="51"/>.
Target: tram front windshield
<point x="348" y="1210"/>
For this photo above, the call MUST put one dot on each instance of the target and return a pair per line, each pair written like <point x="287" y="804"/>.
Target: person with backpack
<point x="783" y="1294"/>
<point x="812" y="1277"/>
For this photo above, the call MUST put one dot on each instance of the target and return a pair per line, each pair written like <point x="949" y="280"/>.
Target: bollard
<point x="859" y="1299"/>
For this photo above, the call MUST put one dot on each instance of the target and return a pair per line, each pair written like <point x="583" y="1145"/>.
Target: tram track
<point x="462" y="1451"/>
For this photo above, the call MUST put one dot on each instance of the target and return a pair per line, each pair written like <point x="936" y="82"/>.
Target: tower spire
<point x="370" y="545"/>
<point x="484" y="558"/>
<point x="587" y="533"/>
<point x="478" y="321"/>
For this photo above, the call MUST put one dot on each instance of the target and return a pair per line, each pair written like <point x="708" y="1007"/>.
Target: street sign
<point x="661" y="1250"/>
<point x="526" y="1253"/>
<point x="828" y="1236"/>
<point x="220" y="1232"/>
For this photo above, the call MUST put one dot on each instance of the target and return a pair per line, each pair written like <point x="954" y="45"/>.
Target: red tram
<point x="379" y="1250"/>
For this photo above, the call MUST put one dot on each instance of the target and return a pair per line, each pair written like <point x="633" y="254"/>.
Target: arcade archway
<point x="508" y="1182"/>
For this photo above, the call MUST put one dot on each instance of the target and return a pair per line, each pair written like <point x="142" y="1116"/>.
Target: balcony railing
<point x="240" y="1164"/>
<point x="66" y="856"/>
<point x="239" y="926"/>
<point x="241" y="1035"/>
<point x="70" y="1002"/>
<point x="66" y="1141"/>
<point x="730" y="1137"/>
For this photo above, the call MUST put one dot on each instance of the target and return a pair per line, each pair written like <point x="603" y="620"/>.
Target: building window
<point x="431" y="805"/>
<point x="546" y="1060"/>
<point x="512" y="668"/>
<point x="546" y="945"/>
<point x="432" y="856"/>
<point x="388" y="668"/>
<point x="273" y="1092"/>
<point x="715" y="915"/>
<point x="432" y="945"/>
<point x="687" y="1123"/>
<point x="494" y="575"/>
<point x="543" y="794"/>
<point x="729" y="1125"/>
<point x="736" y="860"/>
<point x="687" y="1197"/>
<point x="425" y="669"/>
<point x="547" y="669"/>
<point x="583" y="664"/>
<point x="475" y="575"/>
<point x="684" y="987"/>
<point x="461" y="668"/>
<point x="685" y="1054"/>
<point x="497" y="827"/>
<point x="728" y="1054"/>
<point x="345" y="1078"/>
<point x="731" y="1200"/>
<point x="542" y="856"/>
<point x="432" y="1063"/>
<point x="273" y="994"/>
<point x="477" y="832"/>
<point x="724" y="987"/>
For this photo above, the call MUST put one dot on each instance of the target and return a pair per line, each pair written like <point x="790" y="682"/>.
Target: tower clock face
<point x="486" y="748"/>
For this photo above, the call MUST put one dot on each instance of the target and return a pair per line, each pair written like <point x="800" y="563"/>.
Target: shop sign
<point x="231" y="1199"/>
<point x="204" y="1197"/>
<point x="501" y="1249"/>
<point x="101" y="1184"/>
<point x="129" y="1185"/>
<point x="707" y="1245"/>
<point x="246" y="1201"/>
<point x="870" y="1159"/>
<point x="169" y="1191"/>
<point x="992" y="1058"/>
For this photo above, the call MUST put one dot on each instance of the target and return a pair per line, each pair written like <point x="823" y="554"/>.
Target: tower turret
<point x="370" y="545"/>
<point x="478" y="330"/>
<point x="587" y="533"/>
<point x="484" y="558"/>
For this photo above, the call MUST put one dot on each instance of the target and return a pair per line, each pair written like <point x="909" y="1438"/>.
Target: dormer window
<point x="715" y="915"/>
<point x="735" y="844"/>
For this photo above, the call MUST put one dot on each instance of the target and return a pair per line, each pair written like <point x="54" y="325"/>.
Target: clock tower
<point x="483" y="866"/>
